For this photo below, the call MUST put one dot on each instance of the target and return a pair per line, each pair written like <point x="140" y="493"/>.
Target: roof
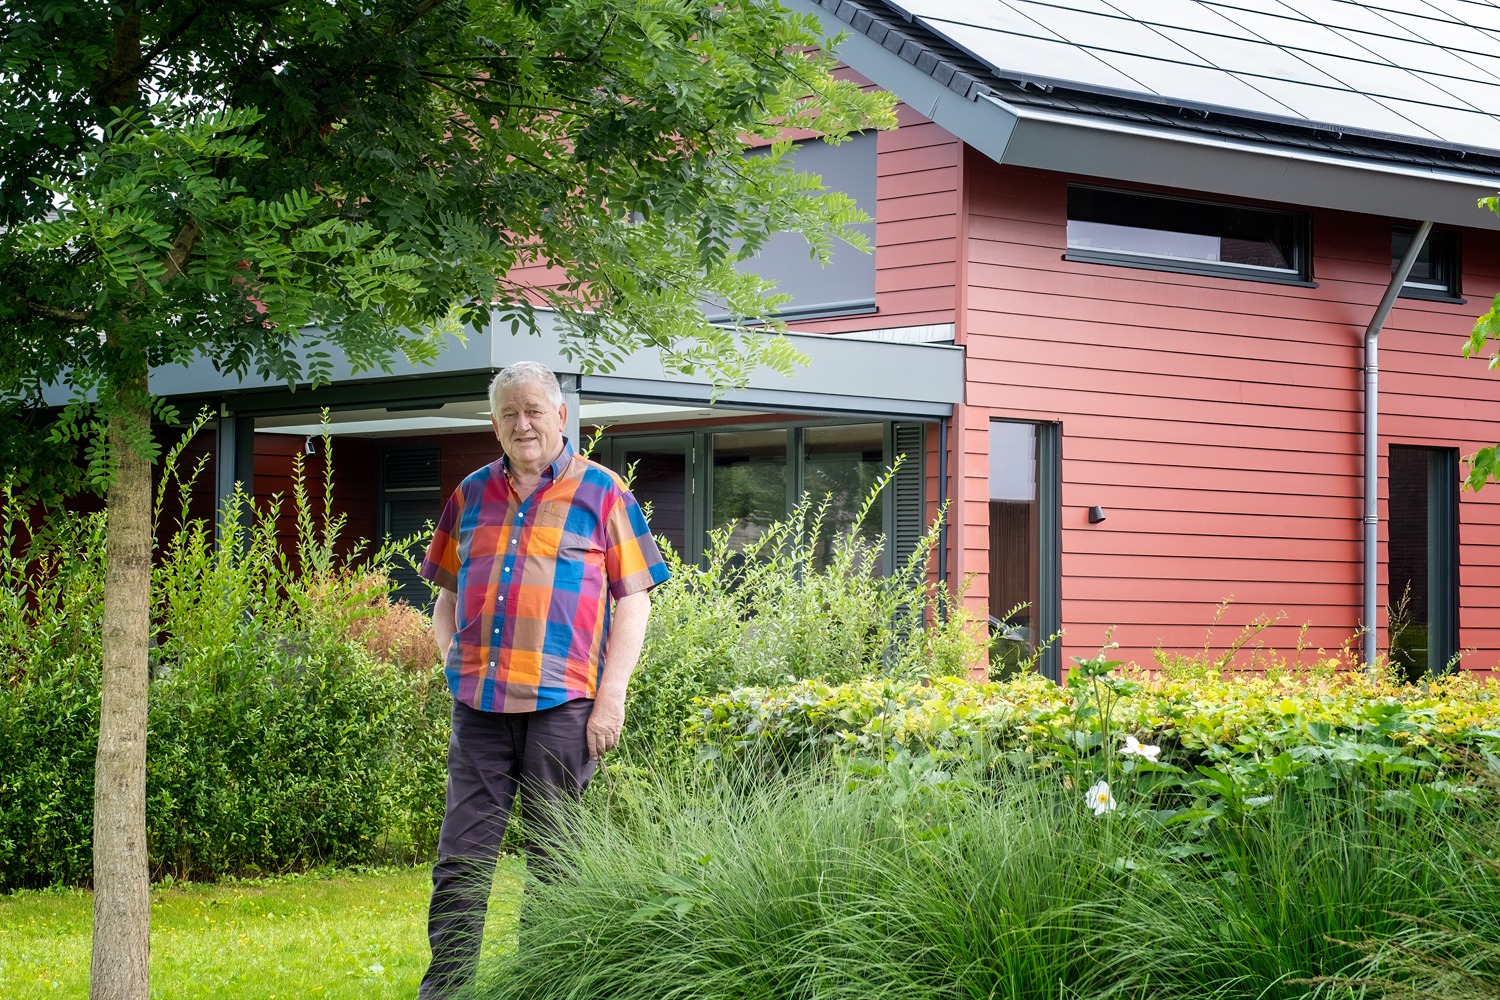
<point x="1388" y="85"/>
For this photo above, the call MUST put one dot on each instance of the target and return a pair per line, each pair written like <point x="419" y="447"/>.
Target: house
<point x="1167" y="301"/>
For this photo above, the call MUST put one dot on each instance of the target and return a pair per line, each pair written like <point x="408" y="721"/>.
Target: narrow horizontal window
<point x="1182" y="235"/>
<point x="1436" y="272"/>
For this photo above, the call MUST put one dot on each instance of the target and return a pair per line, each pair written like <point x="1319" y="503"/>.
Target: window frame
<point x="1301" y="222"/>
<point x="1453" y="253"/>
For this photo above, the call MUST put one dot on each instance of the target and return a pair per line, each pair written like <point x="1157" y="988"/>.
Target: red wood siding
<point x="1217" y="421"/>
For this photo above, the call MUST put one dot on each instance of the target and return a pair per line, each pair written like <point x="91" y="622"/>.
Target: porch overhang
<point x="843" y="376"/>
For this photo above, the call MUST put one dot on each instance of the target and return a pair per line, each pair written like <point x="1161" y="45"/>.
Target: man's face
<point x="530" y="427"/>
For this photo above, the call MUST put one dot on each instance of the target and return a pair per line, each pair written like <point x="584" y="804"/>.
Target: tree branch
<point x="56" y="312"/>
<point x="181" y="247"/>
<point x="177" y="32"/>
<point x="117" y="83"/>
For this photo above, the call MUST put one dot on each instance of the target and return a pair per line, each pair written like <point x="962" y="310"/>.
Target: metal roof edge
<point x="886" y="66"/>
<point x="1112" y="149"/>
<point x="1164" y="157"/>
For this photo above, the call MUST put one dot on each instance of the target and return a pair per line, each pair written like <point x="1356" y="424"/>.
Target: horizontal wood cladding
<point x="1326" y="540"/>
<point x="1218" y="421"/>
<point x="1197" y="617"/>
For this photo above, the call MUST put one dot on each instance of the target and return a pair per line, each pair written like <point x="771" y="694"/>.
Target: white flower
<point x="1099" y="798"/>
<point x="1146" y="750"/>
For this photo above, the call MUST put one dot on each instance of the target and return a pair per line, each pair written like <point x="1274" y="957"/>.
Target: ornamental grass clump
<point x="914" y="880"/>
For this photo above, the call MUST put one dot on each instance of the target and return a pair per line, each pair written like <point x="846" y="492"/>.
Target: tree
<point x="182" y="178"/>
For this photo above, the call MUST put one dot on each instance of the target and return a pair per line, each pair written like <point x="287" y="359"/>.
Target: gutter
<point x="1372" y="439"/>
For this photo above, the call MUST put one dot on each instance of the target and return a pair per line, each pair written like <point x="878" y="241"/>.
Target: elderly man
<point x="530" y="553"/>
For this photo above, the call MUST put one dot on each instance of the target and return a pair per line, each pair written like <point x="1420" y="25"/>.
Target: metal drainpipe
<point x="1372" y="439"/>
<point x="942" y="548"/>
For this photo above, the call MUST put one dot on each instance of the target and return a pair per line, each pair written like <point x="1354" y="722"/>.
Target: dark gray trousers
<point x="493" y="756"/>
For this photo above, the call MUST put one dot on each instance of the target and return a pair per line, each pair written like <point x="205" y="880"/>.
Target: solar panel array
<point x="1427" y="70"/>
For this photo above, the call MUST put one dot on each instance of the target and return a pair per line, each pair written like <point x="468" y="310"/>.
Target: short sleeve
<point x="440" y="565"/>
<point x="633" y="562"/>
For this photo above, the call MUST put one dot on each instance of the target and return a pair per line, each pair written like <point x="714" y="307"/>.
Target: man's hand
<point x="444" y="622"/>
<point x="626" y="634"/>
<point x="605" y="723"/>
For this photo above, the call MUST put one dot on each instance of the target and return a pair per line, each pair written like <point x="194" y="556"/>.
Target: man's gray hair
<point x="525" y="373"/>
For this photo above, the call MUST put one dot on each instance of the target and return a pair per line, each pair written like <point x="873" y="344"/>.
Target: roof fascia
<point x="1150" y="154"/>
<point x="976" y="124"/>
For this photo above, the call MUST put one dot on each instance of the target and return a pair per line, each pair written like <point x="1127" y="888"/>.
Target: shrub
<point x="276" y="737"/>
<point x="1256" y="732"/>
<point x="790" y="605"/>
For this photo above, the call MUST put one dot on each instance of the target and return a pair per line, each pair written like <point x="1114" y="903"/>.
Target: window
<point x="751" y="477"/>
<point x="1422" y="600"/>
<point x="1024" y="544"/>
<point x="1197" y="237"/>
<point x="842" y="463"/>
<point x="846" y="285"/>
<point x="411" y="494"/>
<point x="748" y="488"/>
<point x="1436" y="272"/>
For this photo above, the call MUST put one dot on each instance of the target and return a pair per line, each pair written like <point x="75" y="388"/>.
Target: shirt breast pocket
<point x="552" y="514"/>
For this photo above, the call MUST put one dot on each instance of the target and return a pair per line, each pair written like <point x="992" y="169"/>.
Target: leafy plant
<point x="791" y="604"/>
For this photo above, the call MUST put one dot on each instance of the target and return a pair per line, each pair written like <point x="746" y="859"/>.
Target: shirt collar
<point x="554" y="471"/>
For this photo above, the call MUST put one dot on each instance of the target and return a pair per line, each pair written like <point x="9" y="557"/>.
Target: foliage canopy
<point x="182" y="179"/>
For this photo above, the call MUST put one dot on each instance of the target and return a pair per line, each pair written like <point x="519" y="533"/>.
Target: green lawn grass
<point x="339" y="935"/>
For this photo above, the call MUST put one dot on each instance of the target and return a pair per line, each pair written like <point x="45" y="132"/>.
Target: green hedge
<point x="265" y="759"/>
<point x="276" y="739"/>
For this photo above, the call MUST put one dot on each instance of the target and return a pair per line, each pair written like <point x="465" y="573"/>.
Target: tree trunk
<point x="122" y="884"/>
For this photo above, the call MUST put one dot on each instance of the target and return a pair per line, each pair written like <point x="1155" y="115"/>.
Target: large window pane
<point x="842" y="464"/>
<point x="661" y="469"/>
<point x="1422" y="599"/>
<point x="749" y="482"/>
<point x="847" y="282"/>
<point x="1015" y="529"/>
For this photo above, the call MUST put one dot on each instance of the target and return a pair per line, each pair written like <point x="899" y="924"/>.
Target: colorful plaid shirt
<point x="534" y="579"/>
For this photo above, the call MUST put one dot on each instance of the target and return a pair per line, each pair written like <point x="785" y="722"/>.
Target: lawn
<point x="351" y="935"/>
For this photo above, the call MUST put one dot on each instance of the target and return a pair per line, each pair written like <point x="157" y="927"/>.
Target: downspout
<point x="1372" y="440"/>
<point x="942" y="498"/>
